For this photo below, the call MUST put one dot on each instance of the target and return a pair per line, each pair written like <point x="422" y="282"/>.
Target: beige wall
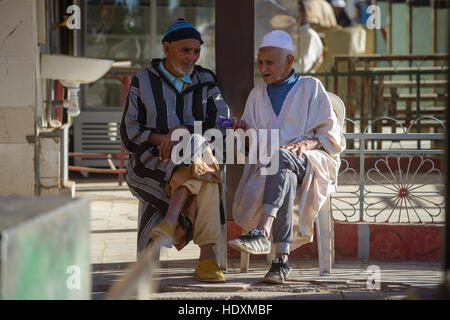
<point x="19" y="96"/>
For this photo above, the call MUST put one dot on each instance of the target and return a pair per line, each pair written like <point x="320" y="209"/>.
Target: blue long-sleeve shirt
<point x="277" y="92"/>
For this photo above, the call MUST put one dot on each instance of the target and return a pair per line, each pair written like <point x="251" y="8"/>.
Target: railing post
<point x="361" y="177"/>
<point x="371" y="112"/>
<point x="418" y="105"/>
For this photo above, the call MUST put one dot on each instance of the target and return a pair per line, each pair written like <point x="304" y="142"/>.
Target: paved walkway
<point x="113" y="249"/>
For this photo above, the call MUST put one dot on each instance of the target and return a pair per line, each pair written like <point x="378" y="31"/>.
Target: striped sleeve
<point x="215" y="107"/>
<point x="134" y="132"/>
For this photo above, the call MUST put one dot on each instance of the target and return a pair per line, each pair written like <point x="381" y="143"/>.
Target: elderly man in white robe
<point x="310" y="140"/>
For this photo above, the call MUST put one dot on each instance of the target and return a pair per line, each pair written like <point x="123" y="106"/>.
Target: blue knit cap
<point x="180" y="30"/>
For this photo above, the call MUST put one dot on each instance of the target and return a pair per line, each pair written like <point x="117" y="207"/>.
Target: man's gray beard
<point x="180" y="70"/>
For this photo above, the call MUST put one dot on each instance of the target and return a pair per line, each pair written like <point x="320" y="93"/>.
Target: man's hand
<point x="300" y="147"/>
<point x="239" y="124"/>
<point x="166" y="144"/>
<point x="165" y="147"/>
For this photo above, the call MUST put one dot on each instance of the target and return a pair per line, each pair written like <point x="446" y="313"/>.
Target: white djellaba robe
<point x="306" y="113"/>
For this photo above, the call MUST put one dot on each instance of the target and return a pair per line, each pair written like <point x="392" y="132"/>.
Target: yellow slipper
<point x="209" y="271"/>
<point x="164" y="229"/>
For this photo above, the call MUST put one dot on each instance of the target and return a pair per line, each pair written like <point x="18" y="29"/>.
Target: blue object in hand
<point x="225" y="122"/>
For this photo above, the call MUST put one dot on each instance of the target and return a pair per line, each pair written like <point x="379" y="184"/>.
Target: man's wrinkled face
<point x="182" y="55"/>
<point x="273" y="64"/>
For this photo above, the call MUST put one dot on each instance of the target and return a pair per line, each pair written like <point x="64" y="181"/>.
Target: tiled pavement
<point x="113" y="249"/>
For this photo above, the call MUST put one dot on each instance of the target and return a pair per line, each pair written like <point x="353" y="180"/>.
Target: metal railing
<point x="382" y="184"/>
<point x="372" y="84"/>
<point x="123" y="74"/>
<point x="402" y="184"/>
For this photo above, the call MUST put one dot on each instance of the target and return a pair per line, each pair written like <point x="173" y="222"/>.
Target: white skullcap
<point x="338" y="3"/>
<point x="277" y="38"/>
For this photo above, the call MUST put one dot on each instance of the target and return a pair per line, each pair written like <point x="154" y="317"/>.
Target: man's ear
<point x="289" y="60"/>
<point x="166" y="46"/>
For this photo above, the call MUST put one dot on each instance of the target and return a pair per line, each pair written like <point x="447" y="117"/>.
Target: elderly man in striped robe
<point x="176" y="202"/>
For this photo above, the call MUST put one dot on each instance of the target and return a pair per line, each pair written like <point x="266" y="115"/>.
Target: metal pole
<point x="371" y="115"/>
<point x="361" y="176"/>
<point x="418" y="105"/>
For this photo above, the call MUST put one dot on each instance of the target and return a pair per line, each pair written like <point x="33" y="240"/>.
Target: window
<point x="122" y="30"/>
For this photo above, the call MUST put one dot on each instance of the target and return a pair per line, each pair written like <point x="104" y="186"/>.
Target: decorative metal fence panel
<point x="392" y="177"/>
<point x="401" y="93"/>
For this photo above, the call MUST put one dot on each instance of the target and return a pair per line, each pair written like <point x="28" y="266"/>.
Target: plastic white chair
<point x="324" y="219"/>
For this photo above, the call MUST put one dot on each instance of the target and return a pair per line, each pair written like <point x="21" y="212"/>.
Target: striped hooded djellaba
<point x="153" y="105"/>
